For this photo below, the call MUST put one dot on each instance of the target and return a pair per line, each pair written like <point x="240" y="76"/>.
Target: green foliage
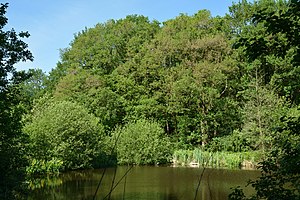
<point x="272" y="42"/>
<point x="38" y="167"/>
<point x="235" y="142"/>
<point x="268" y="48"/>
<point x="93" y="92"/>
<point x="179" y="77"/>
<point x="237" y="194"/>
<point x="262" y="113"/>
<point x="281" y="176"/>
<point x="220" y="83"/>
<point x="12" y="140"/>
<point x="142" y="142"/>
<point x="280" y="170"/>
<point x="33" y="87"/>
<point x="108" y="45"/>
<point x="55" y="75"/>
<point x="64" y="131"/>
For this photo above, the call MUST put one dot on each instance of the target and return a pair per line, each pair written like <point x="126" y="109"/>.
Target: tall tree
<point x="94" y="93"/>
<point x="12" y="50"/>
<point x="110" y="44"/>
<point x="271" y="41"/>
<point x="33" y="87"/>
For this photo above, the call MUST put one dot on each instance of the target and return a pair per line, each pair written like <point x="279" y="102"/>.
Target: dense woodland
<point x="133" y="91"/>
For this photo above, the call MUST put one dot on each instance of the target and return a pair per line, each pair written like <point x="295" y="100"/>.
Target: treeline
<point x="132" y="91"/>
<point x="219" y="83"/>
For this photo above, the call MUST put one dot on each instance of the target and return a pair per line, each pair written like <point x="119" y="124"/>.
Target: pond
<point x="147" y="182"/>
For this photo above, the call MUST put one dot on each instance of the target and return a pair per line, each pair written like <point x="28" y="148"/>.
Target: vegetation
<point x="213" y="90"/>
<point x="142" y="142"/>
<point x="64" y="131"/>
<point x="12" y="140"/>
<point x="222" y="159"/>
<point x="280" y="170"/>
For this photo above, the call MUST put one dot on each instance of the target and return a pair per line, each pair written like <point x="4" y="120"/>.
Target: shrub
<point x="64" y="131"/>
<point x="37" y="167"/>
<point x="142" y="142"/>
<point x="237" y="142"/>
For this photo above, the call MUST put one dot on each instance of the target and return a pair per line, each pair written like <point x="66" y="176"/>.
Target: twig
<point x="118" y="182"/>
<point x="198" y="186"/>
<point x="98" y="186"/>
<point x="199" y="183"/>
<point x="112" y="183"/>
<point x="125" y="181"/>
<point x="104" y="171"/>
<point x="210" y="193"/>
<point x="224" y="89"/>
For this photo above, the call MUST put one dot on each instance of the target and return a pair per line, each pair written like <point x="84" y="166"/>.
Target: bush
<point x="142" y="142"/>
<point x="64" y="131"/>
<point x="236" y="142"/>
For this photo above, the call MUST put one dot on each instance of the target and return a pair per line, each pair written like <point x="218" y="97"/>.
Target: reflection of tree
<point x="42" y="182"/>
<point x="64" y="185"/>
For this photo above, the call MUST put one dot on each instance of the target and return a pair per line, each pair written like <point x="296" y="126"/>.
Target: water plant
<point x="215" y="159"/>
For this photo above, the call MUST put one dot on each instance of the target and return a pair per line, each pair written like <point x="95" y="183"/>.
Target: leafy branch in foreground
<point x="12" y="140"/>
<point x="280" y="177"/>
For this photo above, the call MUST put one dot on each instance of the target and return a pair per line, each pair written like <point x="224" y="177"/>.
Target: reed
<point x="199" y="157"/>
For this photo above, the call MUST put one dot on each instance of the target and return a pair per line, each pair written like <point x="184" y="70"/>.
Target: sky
<point x="53" y="23"/>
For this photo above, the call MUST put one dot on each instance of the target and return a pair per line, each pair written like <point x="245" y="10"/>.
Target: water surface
<point x="145" y="182"/>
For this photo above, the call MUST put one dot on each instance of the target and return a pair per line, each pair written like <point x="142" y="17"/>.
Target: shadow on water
<point x="143" y="183"/>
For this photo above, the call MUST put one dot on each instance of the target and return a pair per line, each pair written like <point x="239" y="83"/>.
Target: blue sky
<point x="52" y="24"/>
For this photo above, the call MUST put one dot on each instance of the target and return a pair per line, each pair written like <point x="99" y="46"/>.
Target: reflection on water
<point x="41" y="182"/>
<point x="145" y="183"/>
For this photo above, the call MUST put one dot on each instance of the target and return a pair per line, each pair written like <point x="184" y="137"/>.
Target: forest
<point x="141" y="92"/>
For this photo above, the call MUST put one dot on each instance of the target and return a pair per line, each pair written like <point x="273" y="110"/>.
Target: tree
<point x="269" y="45"/>
<point x="12" y="152"/>
<point x="261" y="115"/>
<point x="180" y="77"/>
<point x="33" y="87"/>
<point x="271" y="41"/>
<point x="108" y="45"/>
<point x="93" y="92"/>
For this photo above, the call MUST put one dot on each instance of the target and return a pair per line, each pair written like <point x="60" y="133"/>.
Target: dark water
<point x="143" y="183"/>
